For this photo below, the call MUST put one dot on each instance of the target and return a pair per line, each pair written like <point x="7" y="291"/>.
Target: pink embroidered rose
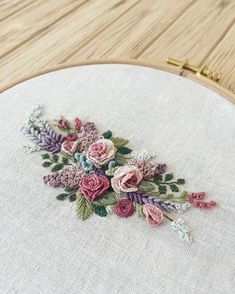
<point x="77" y="123"/>
<point x="71" y="137"/>
<point x="62" y="124"/>
<point x="126" y="179"/>
<point x="101" y="152"/>
<point x="93" y="186"/>
<point x="69" y="147"/>
<point x="154" y="215"/>
<point x="124" y="208"/>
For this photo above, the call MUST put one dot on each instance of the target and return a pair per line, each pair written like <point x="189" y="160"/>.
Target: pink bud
<point x="77" y="123"/>
<point x="62" y="123"/>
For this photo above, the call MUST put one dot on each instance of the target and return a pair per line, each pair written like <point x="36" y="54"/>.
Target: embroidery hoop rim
<point x="144" y="63"/>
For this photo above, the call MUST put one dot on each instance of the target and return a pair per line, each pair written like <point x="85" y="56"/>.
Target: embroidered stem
<point x="170" y="219"/>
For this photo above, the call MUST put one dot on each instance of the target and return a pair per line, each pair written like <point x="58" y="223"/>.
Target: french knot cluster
<point x="89" y="134"/>
<point x="67" y="177"/>
<point x="148" y="168"/>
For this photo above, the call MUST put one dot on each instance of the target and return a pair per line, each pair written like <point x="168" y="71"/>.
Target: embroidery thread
<point x="106" y="177"/>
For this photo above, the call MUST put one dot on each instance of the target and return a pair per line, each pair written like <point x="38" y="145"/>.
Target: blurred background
<point x="40" y="35"/>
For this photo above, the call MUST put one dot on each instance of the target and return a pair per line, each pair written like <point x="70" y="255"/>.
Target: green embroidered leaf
<point x="84" y="207"/>
<point x="183" y="195"/>
<point x="146" y="186"/>
<point x="158" y="178"/>
<point x="167" y="196"/>
<point x="108" y="198"/>
<point x="139" y="210"/>
<point x="67" y="189"/>
<point x="107" y="135"/>
<point x="118" y="141"/>
<point x="154" y="193"/>
<point x="168" y="177"/>
<point x="72" y="197"/>
<point x="181" y="181"/>
<point x="120" y="159"/>
<point x="62" y="196"/>
<point x="124" y="150"/>
<point x="101" y="211"/>
<point x="46" y="164"/>
<point x="162" y="189"/>
<point x="65" y="160"/>
<point x="174" y="188"/>
<point x="55" y="158"/>
<point x="45" y="156"/>
<point x="57" y="167"/>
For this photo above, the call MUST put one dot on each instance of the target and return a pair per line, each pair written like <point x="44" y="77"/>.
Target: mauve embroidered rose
<point x="154" y="215"/>
<point x="69" y="147"/>
<point x="124" y="208"/>
<point x="101" y="152"/>
<point x="92" y="186"/>
<point x="126" y="179"/>
<point x="71" y="137"/>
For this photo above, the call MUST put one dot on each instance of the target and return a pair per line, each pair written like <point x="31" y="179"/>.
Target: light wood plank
<point x="10" y="8"/>
<point x="43" y="15"/>
<point x="223" y="60"/>
<point x="43" y="49"/>
<point x="194" y="33"/>
<point x="40" y="35"/>
<point x="130" y="33"/>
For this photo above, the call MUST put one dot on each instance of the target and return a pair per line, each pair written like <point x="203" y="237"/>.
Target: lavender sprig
<point x="44" y="136"/>
<point x="142" y="198"/>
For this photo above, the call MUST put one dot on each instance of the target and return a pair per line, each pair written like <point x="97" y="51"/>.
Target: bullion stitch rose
<point x="101" y="152"/>
<point x="154" y="215"/>
<point x="124" y="208"/>
<point x="69" y="147"/>
<point x="126" y="179"/>
<point x="92" y="186"/>
<point x="71" y="137"/>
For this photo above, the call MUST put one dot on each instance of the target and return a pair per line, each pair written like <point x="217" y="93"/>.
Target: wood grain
<point x="40" y="35"/>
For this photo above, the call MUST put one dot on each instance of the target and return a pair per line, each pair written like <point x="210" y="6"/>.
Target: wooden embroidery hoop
<point x="145" y="63"/>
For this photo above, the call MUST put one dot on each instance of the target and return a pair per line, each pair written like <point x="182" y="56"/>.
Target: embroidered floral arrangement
<point x="104" y="176"/>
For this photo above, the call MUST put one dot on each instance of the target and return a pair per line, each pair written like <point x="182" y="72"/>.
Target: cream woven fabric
<point x="45" y="249"/>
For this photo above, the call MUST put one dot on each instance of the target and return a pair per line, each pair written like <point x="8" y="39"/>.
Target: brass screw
<point x="216" y="76"/>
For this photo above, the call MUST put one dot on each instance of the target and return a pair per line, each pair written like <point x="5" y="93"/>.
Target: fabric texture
<point x="44" y="248"/>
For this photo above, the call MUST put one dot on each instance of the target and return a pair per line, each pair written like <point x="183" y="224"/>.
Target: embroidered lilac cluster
<point x="104" y="176"/>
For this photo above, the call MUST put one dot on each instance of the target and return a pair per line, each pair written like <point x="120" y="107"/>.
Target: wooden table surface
<point x="40" y="35"/>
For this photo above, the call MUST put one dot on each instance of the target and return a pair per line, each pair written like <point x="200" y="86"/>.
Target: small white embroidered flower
<point x="182" y="229"/>
<point x="143" y="155"/>
<point x="30" y="148"/>
<point x="34" y="115"/>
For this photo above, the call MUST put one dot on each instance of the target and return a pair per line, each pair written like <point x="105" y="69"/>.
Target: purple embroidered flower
<point x="67" y="177"/>
<point x="44" y="136"/>
<point x="88" y="136"/>
<point x="146" y="167"/>
<point x="160" y="169"/>
<point x="124" y="208"/>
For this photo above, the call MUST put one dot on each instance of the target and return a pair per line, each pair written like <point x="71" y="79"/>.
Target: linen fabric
<point x="45" y="248"/>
